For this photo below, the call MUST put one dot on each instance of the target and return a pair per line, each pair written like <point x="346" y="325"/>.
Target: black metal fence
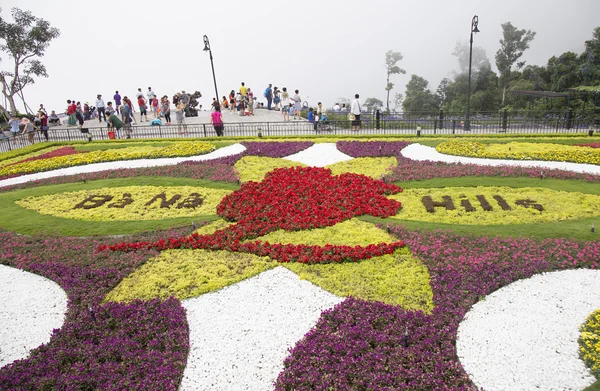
<point x="421" y="124"/>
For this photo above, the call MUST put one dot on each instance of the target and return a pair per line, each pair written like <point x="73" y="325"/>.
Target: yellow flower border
<point x="522" y="151"/>
<point x="128" y="153"/>
<point x="589" y="342"/>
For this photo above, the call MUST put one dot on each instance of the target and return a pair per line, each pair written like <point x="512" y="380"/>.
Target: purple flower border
<point x="141" y="345"/>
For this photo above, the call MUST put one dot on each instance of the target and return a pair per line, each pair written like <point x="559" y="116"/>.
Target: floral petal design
<point x="240" y="335"/>
<point x="30" y="309"/>
<point x="524" y="335"/>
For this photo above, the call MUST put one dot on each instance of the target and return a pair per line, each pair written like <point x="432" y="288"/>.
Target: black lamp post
<point x="474" y="29"/>
<point x="207" y="49"/>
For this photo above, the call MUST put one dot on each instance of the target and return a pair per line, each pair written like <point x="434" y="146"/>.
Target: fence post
<point x="435" y="125"/>
<point x="453" y="126"/>
<point x="204" y="128"/>
<point x="377" y="119"/>
<point x="441" y="119"/>
<point x="569" y="118"/>
<point x="504" y="119"/>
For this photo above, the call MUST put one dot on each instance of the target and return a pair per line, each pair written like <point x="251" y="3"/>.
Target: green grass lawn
<point x="577" y="229"/>
<point x="25" y="221"/>
<point x="594" y="387"/>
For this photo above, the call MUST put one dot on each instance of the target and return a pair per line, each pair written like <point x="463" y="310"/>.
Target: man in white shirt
<point x="356" y="109"/>
<point x="336" y="108"/>
<point x="151" y="95"/>
<point x="101" y="108"/>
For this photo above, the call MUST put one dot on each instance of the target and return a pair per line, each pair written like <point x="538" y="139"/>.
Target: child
<point x="142" y="104"/>
<point x="155" y="107"/>
<point x="180" y="117"/>
<point x="311" y="118"/>
<point x="216" y="118"/>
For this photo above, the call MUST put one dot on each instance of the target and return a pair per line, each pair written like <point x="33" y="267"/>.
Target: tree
<point x="418" y="97"/>
<point x="373" y="104"/>
<point x="442" y="91"/>
<point x="512" y="45"/>
<point x="398" y="100"/>
<point x="589" y="67"/>
<point x="24" y="41"/>
<point x="564" y="71"/>
<point x="391" y="58"/>
<point x="461" y="52"/>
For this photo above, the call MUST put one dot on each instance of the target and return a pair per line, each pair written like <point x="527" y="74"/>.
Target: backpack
<point x="266" y="93"/>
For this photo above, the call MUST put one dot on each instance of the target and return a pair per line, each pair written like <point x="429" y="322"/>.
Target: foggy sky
<point x="326" y="49"/>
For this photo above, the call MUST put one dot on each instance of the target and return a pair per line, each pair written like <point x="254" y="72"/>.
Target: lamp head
<point x="206" y="44"/>
<point x="474" y="24"/>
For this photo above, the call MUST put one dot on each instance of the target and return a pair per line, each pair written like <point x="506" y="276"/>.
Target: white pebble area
<point x="240" y="335"/>
<point x="31" y="306"/>
<point x="524" y="335"/>
<point x="319" y="155"/>
<point x="422" y="152"/>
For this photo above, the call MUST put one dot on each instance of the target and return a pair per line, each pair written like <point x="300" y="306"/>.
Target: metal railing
<point x="371" y="123"/>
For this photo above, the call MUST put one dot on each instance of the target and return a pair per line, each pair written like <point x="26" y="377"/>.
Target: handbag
<point x="351" y="117"/>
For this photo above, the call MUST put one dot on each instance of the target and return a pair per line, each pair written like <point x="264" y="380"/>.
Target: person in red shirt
<point x="71" y="110"/>
<point x="143" y="107"/>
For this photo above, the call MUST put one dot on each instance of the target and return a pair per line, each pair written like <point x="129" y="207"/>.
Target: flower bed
<point x="188" y="273"/>
<point x="292" y="199"/>
<point x="64" y="151"/>
<point x="590" y="145"/>
<point x="371" y="345"/>
<point x="521" y="151"/>
<point x="173" y="150"/>
<point x="398" y="331"/>
<point x="140" y="345"/>
<point x="589" y="343"/>
<point x="128" y="203"/>
<point x="495" y="205"/>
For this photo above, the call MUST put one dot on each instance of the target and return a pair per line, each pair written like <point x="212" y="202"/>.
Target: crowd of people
<point x="119" y="116"/>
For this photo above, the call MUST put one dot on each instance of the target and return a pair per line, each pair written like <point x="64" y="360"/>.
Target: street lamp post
<point x="474" y="29"/>
<point x="207" y="49"/>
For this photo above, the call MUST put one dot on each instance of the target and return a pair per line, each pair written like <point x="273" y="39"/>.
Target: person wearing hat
<point x="101" y="109"/>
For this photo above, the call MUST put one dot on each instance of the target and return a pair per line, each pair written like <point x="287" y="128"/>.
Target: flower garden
<point x="254" y="270"/>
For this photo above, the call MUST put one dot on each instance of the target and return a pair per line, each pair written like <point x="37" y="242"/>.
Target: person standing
<point x="285" y="102"/>
<point x="117" y="99"/>
<point x="110" y="110"/>
<point x="276" y="97"/>
<point x="28" y="129"/>
<point x="269" y="95"/>
<point x="79" y="114"/>
<point x="139" y="93"/>
<point x="143" y="107"/>
<point x="101" y="108"/>
<point x="166" y="109"/>
<point x="180" y="117"/>
<point x="127" y="102"/>
<point x="356" y="110"/>
<point x="185" y="99"/>
<point x="42" y="109"/>
<point x="232" y="101"/>
<point x="126" y="116"/>
<point x="155" y="107"/>
<point x="216" y="118"/>
<point x="297" y="102"/>
<point x="71" y="112"/>
<point x="14" y="129"/>
<point x="243" y="89"/>
<point x="43" y="123"/>
<point x="151" y="95"/>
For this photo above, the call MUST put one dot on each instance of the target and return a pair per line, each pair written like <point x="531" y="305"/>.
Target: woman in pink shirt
<point x="216" y="118"/>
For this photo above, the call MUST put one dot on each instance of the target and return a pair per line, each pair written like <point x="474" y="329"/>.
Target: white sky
<point x="326" y="49"/>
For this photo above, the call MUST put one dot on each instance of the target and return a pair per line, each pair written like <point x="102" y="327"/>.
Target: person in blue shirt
<point x="311" y="118"/>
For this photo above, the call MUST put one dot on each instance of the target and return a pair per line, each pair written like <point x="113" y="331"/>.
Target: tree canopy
<point x="24" y="41"/>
